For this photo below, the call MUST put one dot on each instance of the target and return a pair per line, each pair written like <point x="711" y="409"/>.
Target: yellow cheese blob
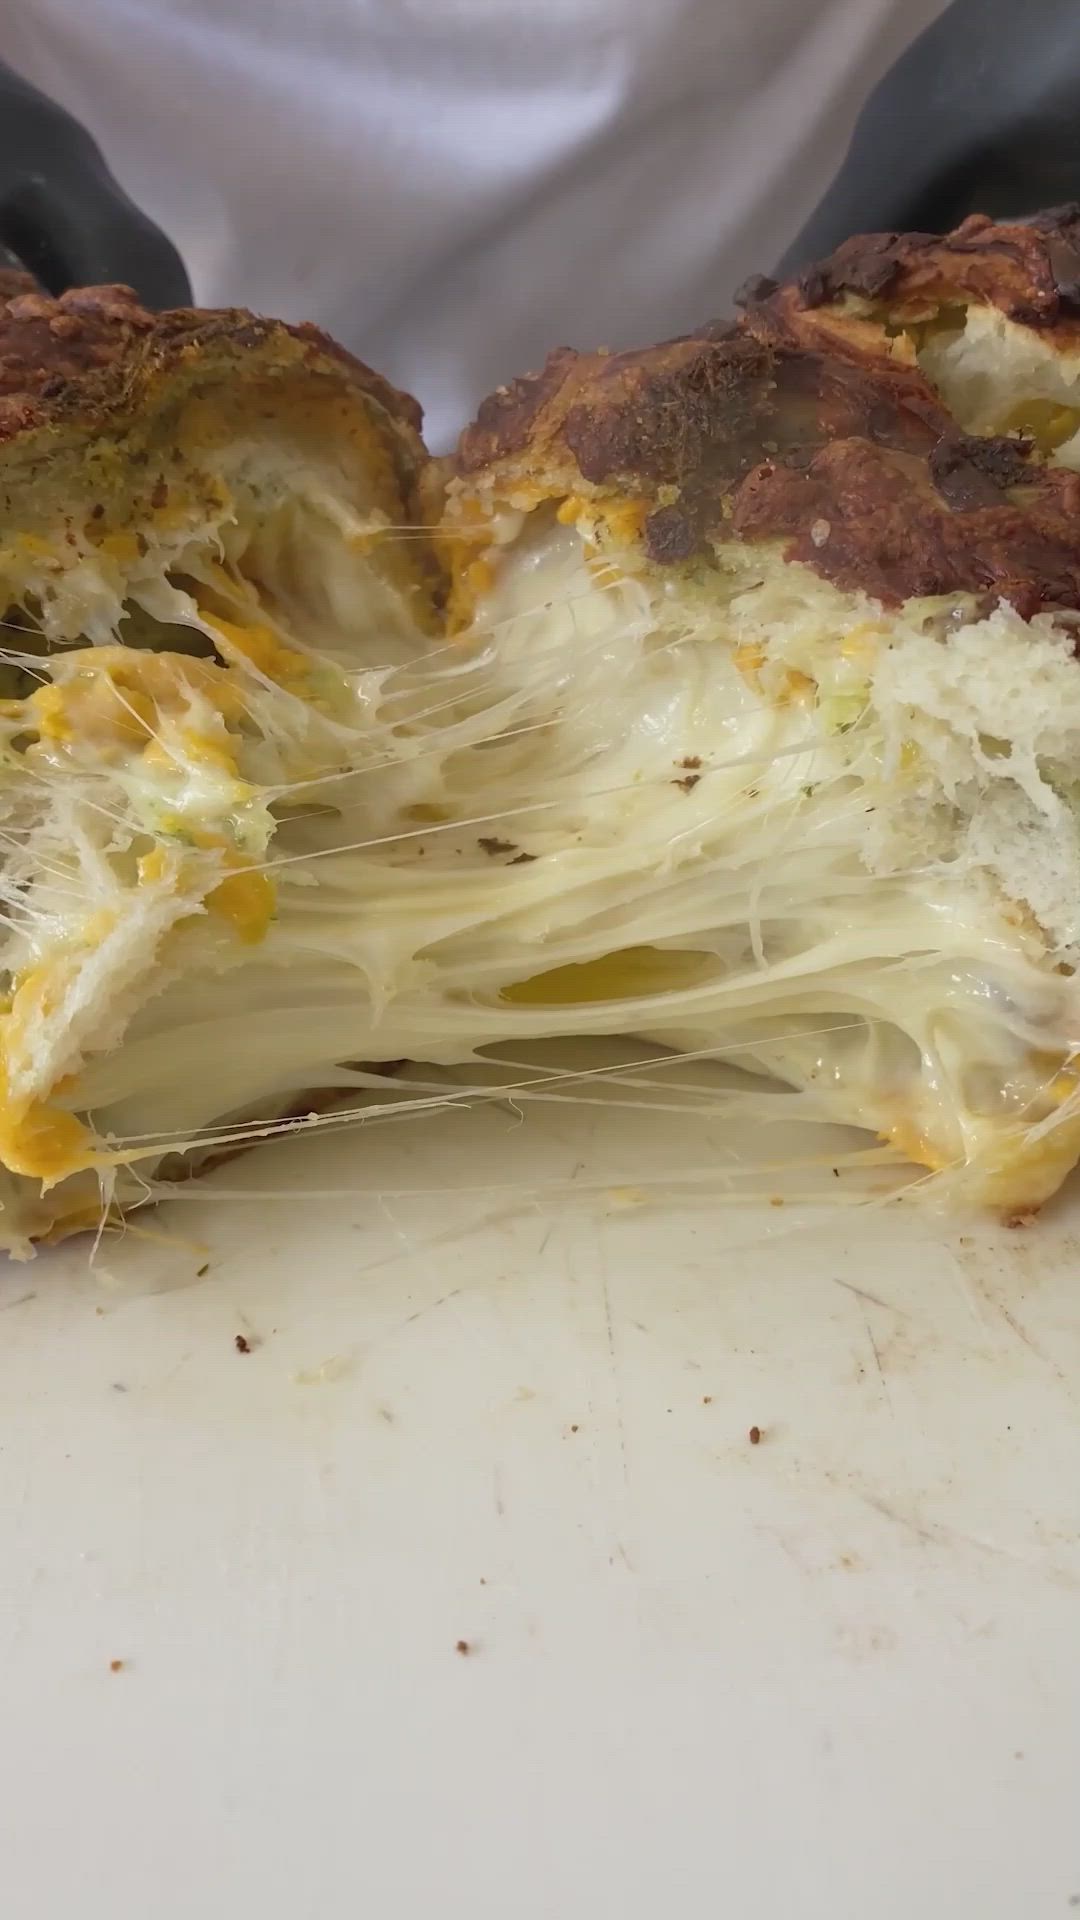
<point x="247" y="901"/>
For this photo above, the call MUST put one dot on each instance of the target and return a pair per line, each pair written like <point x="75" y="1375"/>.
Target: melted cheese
<point x="41" y="1141"/>
<point x="607" y="810"/>
<point x="259" y="645"/>
<point x="246" y="901"/>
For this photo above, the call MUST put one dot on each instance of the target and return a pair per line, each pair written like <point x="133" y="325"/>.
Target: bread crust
<point x="807" y="421"/>
<point x="1029" y="270"/>
<point x="95" y="354"/>
<point x="105" y="406"/>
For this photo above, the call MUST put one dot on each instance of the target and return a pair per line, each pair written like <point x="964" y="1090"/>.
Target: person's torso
<point x="453" y="186"/>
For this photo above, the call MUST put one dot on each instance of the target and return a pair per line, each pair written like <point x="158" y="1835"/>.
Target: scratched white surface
<point x="837" y="1673"/>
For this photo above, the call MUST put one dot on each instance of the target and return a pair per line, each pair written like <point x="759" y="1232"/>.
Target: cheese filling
<point x="283" y="835"/>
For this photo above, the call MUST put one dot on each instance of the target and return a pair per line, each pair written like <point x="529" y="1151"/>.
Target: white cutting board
<point x="836" y="1673"/>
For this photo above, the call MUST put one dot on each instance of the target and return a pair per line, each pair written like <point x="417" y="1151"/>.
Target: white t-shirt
<point x="451" y="187"/>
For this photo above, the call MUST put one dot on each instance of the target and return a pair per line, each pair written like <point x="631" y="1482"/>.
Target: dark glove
<point x="63" y="218"/>
<point x="980" y="115"/>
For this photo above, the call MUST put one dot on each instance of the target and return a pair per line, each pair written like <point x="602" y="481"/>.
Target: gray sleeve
<point x="62" y="215"/>
<point x="980" y="115"/>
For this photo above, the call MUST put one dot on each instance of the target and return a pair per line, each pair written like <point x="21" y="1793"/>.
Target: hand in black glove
<point x="980" y="115"/>
<point x="63" y="218"/>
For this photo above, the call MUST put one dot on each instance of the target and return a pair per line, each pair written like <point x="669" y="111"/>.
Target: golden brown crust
<point x="111" y="416"/>
<point x="75" y="359"/>
<point x="1030" y="271"/>
<point x="96" y="393"/>
<point x="808" y="421"/>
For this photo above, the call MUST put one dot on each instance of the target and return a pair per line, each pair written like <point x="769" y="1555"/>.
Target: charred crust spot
<point x="670" y="535"/>
<point x="754" y="290"/>
<point x="870" y="266"/>
<point x="813" y="288"/>
<point x="686" y="416"/>
<point x="893" y="538"/>
<point x="870" y="270"/>
<point x="1063" y="254"/>
<point x="1031" y="271"/>
<point x="606" y="441"/>
<point x="969" y="472"/>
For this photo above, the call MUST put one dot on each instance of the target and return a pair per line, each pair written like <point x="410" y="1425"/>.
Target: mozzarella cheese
<point x="746" y="823"/>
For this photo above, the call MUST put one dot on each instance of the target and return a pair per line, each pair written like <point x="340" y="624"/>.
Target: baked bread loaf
<point x="723" y="694"/>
